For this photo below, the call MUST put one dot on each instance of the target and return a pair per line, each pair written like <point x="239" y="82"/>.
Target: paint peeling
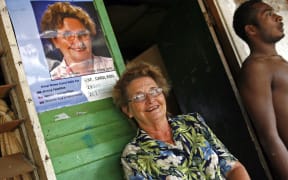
<point x="88" y="140"/>
<point x="80" y="113"/>
<point x="61" y="116"/>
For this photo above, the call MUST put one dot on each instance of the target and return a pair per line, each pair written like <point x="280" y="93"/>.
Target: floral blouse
<point x="197" y="154"/>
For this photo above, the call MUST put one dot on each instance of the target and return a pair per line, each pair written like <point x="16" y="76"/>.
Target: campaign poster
<point x="64" y="52"/>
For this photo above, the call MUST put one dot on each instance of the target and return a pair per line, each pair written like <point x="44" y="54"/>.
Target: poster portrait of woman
<point x="73" y="41"/>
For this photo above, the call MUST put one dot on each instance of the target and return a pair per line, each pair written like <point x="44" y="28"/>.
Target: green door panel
<point x="85" y="141"/>
<point x="90" y="137"/>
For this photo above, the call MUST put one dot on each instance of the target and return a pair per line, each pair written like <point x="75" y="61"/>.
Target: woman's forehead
<point x="141" y="83"/>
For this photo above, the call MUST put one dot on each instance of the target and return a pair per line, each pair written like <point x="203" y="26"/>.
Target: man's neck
<point x="263" y="50"/>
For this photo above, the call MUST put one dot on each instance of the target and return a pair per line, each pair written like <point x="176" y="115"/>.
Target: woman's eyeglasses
<point x="140" y="97"/>
<point x="67" y="35"/>
<point x="70" y="36"/>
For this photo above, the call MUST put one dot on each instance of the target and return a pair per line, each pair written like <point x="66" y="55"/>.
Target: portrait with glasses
<point x="73" y="41"/>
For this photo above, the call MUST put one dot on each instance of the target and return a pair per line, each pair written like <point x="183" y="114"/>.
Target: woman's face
<point x="74" y="41"/>
<point x="149" y="111"/>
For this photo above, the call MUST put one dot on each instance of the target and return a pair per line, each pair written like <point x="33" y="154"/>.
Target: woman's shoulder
<point x="130" y="148"/>
<point x="189" y="116"/>
<point x="188" y="119"/>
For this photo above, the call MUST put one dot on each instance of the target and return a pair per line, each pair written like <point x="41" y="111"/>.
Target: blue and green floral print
<point x="197" y="153"/>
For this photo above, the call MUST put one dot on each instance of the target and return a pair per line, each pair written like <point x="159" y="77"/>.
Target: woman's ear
<point x="125" y="110"/>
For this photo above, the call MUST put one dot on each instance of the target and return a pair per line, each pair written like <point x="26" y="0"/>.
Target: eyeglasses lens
<point x="70" y="36"/>
<point x="140" y="97"/>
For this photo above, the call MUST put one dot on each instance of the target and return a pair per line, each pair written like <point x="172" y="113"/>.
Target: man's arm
<point x="256" y="92"/>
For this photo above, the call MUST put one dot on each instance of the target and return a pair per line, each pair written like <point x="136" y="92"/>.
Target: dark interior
<point x="199" y="81"/>
<point x="136" y="23"/>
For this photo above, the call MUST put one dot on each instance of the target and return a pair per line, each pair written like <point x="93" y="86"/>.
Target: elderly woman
<point x="180" y="147"/>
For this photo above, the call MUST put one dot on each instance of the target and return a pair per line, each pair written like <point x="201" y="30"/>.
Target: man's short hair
<point x="244" y="15"/>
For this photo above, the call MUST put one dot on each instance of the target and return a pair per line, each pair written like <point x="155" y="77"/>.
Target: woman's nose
<point x="149" y="98"/>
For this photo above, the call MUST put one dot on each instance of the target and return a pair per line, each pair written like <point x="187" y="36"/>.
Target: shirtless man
<point x="263" y="82"/>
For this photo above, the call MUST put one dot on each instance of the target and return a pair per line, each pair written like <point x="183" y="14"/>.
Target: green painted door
<point x="87" y="141"/>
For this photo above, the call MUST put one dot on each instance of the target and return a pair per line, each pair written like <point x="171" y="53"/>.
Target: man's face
<point x="270" y="25"/>
<point x="74" y="41"/>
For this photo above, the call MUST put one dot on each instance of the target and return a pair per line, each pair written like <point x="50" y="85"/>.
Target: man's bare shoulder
<point x="263" y="69"/>
<point x="255" y="66"/>
<point x="263" y="65"/>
